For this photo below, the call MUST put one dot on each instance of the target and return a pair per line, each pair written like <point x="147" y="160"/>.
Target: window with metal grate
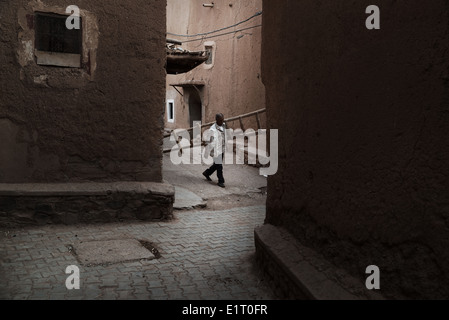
<point x="52" y="34"/>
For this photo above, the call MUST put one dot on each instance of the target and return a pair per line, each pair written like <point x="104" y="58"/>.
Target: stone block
<point x="73" y="203"/>
<point x="298" y="273"/>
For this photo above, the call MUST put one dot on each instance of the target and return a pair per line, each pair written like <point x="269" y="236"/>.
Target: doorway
<point x="195" y="107"/>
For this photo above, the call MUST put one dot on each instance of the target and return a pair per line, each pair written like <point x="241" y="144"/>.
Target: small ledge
<point x="299" y="273"/>
<point x="84" y="189"/>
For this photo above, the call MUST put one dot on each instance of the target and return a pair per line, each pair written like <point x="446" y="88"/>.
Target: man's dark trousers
<point x="219" y="169"/>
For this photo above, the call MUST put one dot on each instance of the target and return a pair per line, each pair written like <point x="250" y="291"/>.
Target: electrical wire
<point x="215" y="31"/>
<point x="222" y="34"/>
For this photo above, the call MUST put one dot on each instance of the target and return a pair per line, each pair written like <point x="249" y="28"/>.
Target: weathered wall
<point x="233" y="84"/>
<point x="102" y="122"/>
<point x="364" y="145"/>
<point x="84" y="203"/>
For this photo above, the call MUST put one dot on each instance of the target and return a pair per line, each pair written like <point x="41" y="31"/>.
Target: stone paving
<point x="204" y="255"/>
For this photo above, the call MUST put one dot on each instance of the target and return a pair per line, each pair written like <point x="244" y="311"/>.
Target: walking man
<point x="218" y="145"/>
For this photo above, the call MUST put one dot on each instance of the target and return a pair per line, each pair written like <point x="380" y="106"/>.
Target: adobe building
<point x="229" y="82"/>
<point x="363" y="145"/>
<point x="81" y="112"/>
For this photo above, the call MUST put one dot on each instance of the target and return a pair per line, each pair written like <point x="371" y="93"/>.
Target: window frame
<point x="172" y="103"/>
<point x="213" y="46"/>
<point x="211" y="57"/>
<point x="55" y="58"/>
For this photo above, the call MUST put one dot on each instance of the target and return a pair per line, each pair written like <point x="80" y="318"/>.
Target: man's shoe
<point x="207" y="177"/>
<point x="221" y="185"/>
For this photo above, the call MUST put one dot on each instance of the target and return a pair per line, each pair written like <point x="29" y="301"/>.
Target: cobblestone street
<point x="204" y="255"/>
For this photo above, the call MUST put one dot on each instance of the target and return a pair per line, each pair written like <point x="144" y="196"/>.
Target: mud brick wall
<point x="100" y="122"/>
<point x="364" y="146"/>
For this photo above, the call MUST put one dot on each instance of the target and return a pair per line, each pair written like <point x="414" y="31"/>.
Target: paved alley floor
<point x="203" y="254"/>
<point x="244" y="184"/>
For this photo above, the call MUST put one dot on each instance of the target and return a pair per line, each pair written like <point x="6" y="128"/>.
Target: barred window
<point x="210" y="51"/>
<point x="52" y="34"/>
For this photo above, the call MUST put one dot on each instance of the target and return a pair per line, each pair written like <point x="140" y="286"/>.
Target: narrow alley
<point x="202" y="254"/>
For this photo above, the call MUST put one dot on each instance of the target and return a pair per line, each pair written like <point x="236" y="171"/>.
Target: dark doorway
<point x="195" y="107"/>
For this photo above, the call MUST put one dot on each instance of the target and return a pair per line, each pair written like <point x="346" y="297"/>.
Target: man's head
<point x="220" y="119"/>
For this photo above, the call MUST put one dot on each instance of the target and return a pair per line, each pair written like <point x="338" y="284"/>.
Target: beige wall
<point x="233" y="84"/>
